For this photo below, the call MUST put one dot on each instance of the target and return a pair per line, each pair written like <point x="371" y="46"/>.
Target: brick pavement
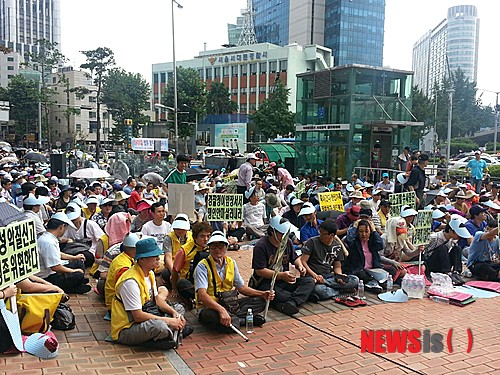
<point x="284" y="345"/>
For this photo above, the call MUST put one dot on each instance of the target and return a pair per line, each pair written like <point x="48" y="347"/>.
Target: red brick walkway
<point x="284" y="345"/>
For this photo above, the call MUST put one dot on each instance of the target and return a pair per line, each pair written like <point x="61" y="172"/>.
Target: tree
<point x="46" y="61"/>
<point x="23" y="96"/>
<point x="99" y="61"/>
<point x="126" y="96"/>
<point x="219" y="100"/>
<point x="423" y="109"/>
<point x="191" y="101"/>
<point x="273" y="116"/>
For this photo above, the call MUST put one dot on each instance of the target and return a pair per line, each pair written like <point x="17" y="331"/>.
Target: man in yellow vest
<point x="217" y="274"/>
<point x="187" y="258"/>
<point x="173" y="242"/>
<point x="130" y="325"/>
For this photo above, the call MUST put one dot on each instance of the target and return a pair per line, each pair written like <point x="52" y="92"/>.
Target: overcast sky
<point x="139" y="32"/>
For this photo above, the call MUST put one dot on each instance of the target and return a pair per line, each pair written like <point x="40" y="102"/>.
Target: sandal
<point x="350" y="301"/>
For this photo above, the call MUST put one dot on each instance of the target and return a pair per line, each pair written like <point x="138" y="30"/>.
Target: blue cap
<point x="385" y="174"/>
<point x="147" y="248"/>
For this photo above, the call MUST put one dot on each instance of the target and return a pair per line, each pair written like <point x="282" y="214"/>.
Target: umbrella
<point x="9" y="159"/>
<point x="195" y="174"/>
<point x="153" y="177"/>
<point x="89" y="173"/>
<point x="5" y="146"/>
<point x="35" y="156"/>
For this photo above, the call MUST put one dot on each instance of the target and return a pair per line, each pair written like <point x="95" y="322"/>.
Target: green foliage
<point x="23" y="96"/>
<point x="273" y="116"/>
<point x="191" y="98"/>
<point x="126" y="96"/>
<point x="219" y="100"/>
<point x="494" y="170"/>
<point x="423" y="109"/>
<point x="458" y="145"/>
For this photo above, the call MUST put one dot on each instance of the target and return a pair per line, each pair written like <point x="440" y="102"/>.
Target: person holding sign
<point x="416" y="181"/>
<point x="292" y="286"/>
<point x="218" y="274"/>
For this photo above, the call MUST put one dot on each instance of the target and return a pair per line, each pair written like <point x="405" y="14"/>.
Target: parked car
<point x="460" y="164"/>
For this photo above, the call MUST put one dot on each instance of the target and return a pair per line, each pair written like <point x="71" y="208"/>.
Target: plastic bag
<point x="441" y="284"/>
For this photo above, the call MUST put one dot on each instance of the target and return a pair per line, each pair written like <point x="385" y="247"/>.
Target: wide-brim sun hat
<point x="181" y="222"/>
<point x="218" y="236"/>
<point x="120" y="196"/>
<point x="459" y="228"/>
<point x="279" y="225"/>
<point x="470" y="194"/>
<point x="491" y="204"/>
<point x="272" y="200"/>
<point x="307" y="209"/>
<point x="78" y="202"/>
<point x="147" y="248"/>
<point x="106" y="201"/>
<point x="437" y="214"/>
<point x="251" y="155"/>
<point x="92" y="200"/>
<point x="356" y="194"/>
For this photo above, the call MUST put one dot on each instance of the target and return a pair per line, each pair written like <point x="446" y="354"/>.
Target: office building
<point x="24" y="22"/>
<point x="353" y="30"/>
<point x="455" y="38"/>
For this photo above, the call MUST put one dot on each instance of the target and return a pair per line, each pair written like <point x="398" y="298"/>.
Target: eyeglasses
<point x="217" y="246"/>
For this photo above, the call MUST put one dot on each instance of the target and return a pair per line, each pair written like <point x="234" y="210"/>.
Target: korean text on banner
<point x="18" y="252"/>
<point x="300" y="188"/>
<point x="225" y="207"/>
<point x="181" y="200"/>
<point x="399" y="200"/>
<point x="423" y="224"/>
<point x="331" y="201"/>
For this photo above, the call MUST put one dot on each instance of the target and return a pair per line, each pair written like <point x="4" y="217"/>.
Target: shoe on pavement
<point x="287" y="308"/>
<point x="259" y="320"/>
<point x="373" y="286"/>
<point x="187" y="331"/>
<point x="164" y="344"/>
<point x="82" y="289"/>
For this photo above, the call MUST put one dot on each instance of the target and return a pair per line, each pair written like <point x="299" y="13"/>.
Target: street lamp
<point x="450" y="92"/>
<point x="176" y="130"/>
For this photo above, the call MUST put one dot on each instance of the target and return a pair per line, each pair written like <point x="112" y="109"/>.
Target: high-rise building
<point x="353" y="30"/>
<point x="456" y="38"/>
<point x="24" y="22"/>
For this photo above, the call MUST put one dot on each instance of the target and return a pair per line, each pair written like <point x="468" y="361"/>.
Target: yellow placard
<point x="331" y="201"/>
<point x="18" y="252"/>
<point x="225" y="207"/>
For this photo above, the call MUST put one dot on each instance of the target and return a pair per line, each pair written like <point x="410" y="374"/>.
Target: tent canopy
<point x="277" y="151"/>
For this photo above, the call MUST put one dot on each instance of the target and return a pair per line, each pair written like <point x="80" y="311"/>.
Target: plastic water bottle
<point x="249" y="321"/>
<point x="361" y="290"/>
<point x="439" y="299"/>
<point x="389" y="284"/>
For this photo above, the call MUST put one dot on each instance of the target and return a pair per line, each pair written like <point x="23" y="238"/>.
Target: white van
<point x="209" y="151"/>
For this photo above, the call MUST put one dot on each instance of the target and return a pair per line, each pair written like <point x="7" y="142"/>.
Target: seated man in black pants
<point x="219" y="273"/>
<point x="291" y="291"/>
<point x="70" y="277"/>
<point x="442" y="254"/>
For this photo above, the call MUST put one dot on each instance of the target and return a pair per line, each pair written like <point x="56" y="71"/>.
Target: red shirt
<point x="134" y="198"/>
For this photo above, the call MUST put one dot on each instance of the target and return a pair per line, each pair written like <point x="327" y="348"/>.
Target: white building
<point x="456" y="37"/>
<point x="22" y="22"/>
<point x="250" y="71"/>
<point x="9" y="67"/>
<point x="79" y="128"/>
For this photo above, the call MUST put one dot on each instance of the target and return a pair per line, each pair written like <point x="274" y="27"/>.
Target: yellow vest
<point x="88" y="214"/>
<point x="105" y="245"/>
<point x="121" y="261"/>
<point x="120" y="318"/>
<point x="222" y="286"/>
<point x="190" y="249"/>
<point x="176" y="245"/>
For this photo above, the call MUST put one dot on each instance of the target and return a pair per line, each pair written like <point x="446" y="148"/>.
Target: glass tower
<point x="354" y="30"/>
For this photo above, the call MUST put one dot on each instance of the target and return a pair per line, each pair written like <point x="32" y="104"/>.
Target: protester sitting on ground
<point x="149" y="193"/>
<point x="121" y="263"/>
<point x="376" y="199"/>
<point x="130" y="186"/>
<point x="436" y="182"/>
<point x="200" y="197"/>
<point x="311" y="227"/>
<point x="69" y="277"/>
<point x="143" y="208"/>
<point x="476" y="222"/>
<point x="355" y="198"/>
<point x="384" y="213"/>
<point x="136" y="195"/>
<point x="439" y="219"/>
<point x="218" y="274"/>
<point x="291" y="290"/>
<point x="322" y="257"/>
<point x="84" y="231"/>
<point x="101" y="218"/>
<point x="91" y="206"/>
<point x="484" y="256"/>
<point x="493" y="208"/>
<point x="386" y="184"/>
<point x="120" y="203"/>
<point x="367" y="206"/>
<point x="292" y="215"/>
<point x="64" y="198"/>
<point x="408" y="213"/>
<point x="363" y="260"/>
<point x="173" y="242"/>
<point x="344" y="221"/>
<point x="442" y="255"/>
<point x="186" y="260"/>
<point x="130" y="325"/>
<point x="254" y="216"/>
<point x="158" y="227"/>
<point x="459" y="203"/>
<point x="32" y="205"/>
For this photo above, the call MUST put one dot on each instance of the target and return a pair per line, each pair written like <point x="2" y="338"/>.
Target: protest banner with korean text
<point x="225" y="207"/>
<point x="18" y="252"/>
<point x="300" y="188"/>
<point x="399" y="200"/>
<point x="331" y="201"/>
<point x="423" y="224"/>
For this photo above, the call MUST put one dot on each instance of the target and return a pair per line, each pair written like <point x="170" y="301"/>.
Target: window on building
<point x="10" y="59"/>
<point x="155" y="78"/>
<point x="253" y="69"/>
<point x="243" y="91"/>
<point x="92" y="99"/>
<point x="10" y="67"/>
<point x="92" y="115"/>
<point x="234" y="91"/>
<point x="283" y="65"/>
<point x="208" y="73"/>
<point x="200" y="73"/>
<point x="253" y="90"/>
<point x="262" y="90"/>
<point x="217" y="72"/>
<point x="78" y="127"/>
<point x="263" y="67"/>
<point x="225" y="71"/>
<point x="273" y="65"/>
<point x="163" y="78"/>
<point x="234" y="70"/>
<point x="244" y="70"/>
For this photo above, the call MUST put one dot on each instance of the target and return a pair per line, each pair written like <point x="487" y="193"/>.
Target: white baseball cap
<point x="32" y="200"/>
<point x="130" y="240"/>
<point x="407" y="211"/>
<point x="92" y="200"/>
<point x="61" y="216"/>
<point x="276" y="224"/>
<point x="460" y="228"/>
<point x="307" y="209"/>
<point x="296" y="201"/>
<point x="73" y="211"/>
<point x="437" y="214"/>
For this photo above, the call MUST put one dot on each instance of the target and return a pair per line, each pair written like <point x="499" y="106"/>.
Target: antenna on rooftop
<point x="247" y="35"/>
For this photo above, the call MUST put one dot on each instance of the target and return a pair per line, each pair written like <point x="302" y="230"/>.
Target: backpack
<point x="64" y="319"/>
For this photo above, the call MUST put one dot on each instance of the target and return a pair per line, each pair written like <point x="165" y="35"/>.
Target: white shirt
<point x="157" y="231"/>
<point x="131" y="294"/>
<point x="94" y="232"/>
<point x="40" y="229"/>
<point x="254" y="215"/>
<point x="49" y="254"/>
